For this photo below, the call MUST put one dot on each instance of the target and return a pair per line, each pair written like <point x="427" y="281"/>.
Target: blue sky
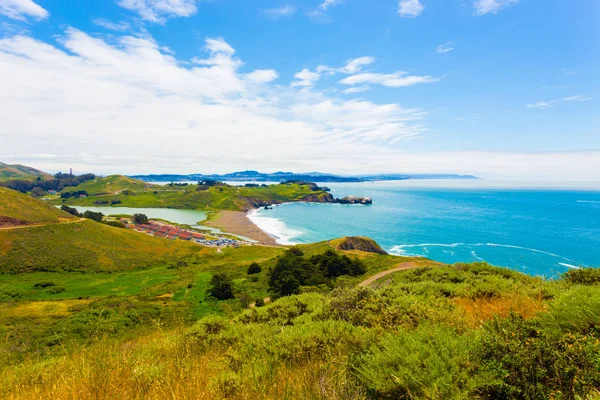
<point x="505" y="89"/>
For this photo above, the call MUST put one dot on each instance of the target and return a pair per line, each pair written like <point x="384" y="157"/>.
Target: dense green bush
<point x="95" y="216"/>
<point x="431" y="362"/>
<point x="583" y="276"/>
<point x="254" y="268"/>
<point x="221" y="287"/>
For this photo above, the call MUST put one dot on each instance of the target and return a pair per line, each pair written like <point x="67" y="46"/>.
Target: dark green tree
<point x="71" y="211"/>
<point x="221" y="287"/>
<point x="140" y="219"/>
<point x="37" y="192"/>
<point x="254" y="268"/>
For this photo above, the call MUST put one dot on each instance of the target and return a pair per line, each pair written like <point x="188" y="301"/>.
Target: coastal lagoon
<point x="536" y="231"/>
<point x="185" y="217"/>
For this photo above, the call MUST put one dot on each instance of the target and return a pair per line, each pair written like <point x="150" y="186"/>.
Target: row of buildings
<point x="172" y="232"/>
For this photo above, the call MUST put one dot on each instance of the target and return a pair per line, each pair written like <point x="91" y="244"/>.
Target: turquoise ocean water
<point x="539" y="232"/>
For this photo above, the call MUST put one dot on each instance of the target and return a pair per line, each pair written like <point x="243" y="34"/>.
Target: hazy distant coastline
<point x="255" y="176"/>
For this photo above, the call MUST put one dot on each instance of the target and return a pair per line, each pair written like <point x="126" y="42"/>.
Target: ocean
<point x="537" y="231"/>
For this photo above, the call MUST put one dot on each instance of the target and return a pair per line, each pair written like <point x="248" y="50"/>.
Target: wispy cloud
<point x="160" y="10"/>
<point x="577" y="98"/>
<point x="280" y="12"/>
<point x="445" y="48"/>
<point x="22" y="9"/>
<point x="483" y="7"/>
<point x="394" y="80"/>
<point x="410" y="8"/>
<point x="551" y="103"/>
<point x="88" y="93"/>
<point x="542" y="104"/>
<point x="328" y="3"/>
<point x="356" y="89"/>
<point x="121" y="26"/>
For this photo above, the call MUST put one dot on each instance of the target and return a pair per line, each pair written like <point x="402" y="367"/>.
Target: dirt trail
<point x="9" y="228"/>
<point x="400" y="267"/>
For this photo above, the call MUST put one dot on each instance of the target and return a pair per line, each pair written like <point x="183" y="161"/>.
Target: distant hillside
<point x="112" y="184"/>
<point x="255" y="176"/>
<point x="24" y="208"/>
<point x="128" y="192"/>
<point x="16" y="171"/>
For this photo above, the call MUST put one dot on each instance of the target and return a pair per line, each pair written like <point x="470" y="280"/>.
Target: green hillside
<point x="468" y="331"/>
<point x="133" y="193"/>
<point x="109" y="185"/>
<point x="85" y="246"/>
<point x="16" y="171"/>
<point x="25" y="208"/>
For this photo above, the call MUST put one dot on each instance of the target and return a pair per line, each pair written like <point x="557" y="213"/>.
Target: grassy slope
<point x="86" y="246"/>
<point x="16" y="171"/>
<point x="109" y="185"/>
<point x="25" y="208"/>
<point x="465" y="331"/>
<point x="140" y="194"/>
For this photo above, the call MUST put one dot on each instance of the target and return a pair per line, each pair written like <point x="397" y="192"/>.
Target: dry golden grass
<point x="168" y="365"/>
<point x="477" y="311"/>
<point x="40" y="309"/>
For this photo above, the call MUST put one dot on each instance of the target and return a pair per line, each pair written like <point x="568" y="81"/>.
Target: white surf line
<point x="479" y="245"/>
<point x="569" y="266"/>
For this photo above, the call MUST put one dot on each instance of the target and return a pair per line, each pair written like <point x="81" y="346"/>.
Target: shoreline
<point x="237" y="223"/>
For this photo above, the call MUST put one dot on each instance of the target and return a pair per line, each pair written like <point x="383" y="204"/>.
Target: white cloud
<point x="21" y="9"/>
<point x="219" y="45"/>
<point x="113" y="26"/>
<point x="306" y="78"/>
<point x="397" y="79"/>
<point x="262" y="76"/>
<point x="445" y="48"/>
<point x="542" y="104"/>
<point x="549" y="104"/>
<point x="577" y="98"/>
<point x="328" y="3"/>
<point x="410" y="8"/>
<point x="160" y="10"/>
<point x="483" y="7"/>
<point x="132" y="107"/>
<point x="279" y="12"/>
<point x="356" y="89"/>
<point x="356" y="65"/>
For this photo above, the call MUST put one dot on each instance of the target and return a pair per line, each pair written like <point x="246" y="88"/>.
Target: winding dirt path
<point x="400" y="267"/>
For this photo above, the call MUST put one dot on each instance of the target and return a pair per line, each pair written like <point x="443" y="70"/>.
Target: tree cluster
<point x="59" y="182"/>
<point x="292" y="270"/>
<point x="77" y="193"/>
<point x="96" y="216"/>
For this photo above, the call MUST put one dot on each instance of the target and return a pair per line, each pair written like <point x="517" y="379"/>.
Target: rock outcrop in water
<point x="328" y="198"/>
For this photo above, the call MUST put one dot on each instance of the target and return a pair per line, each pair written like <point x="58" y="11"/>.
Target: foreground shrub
<point x="530" y="363"/>
<point x="583" y="276"/>
<point x="429" y="363"/>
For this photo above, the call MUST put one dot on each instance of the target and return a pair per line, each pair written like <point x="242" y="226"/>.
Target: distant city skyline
<point x="500" y="89"/>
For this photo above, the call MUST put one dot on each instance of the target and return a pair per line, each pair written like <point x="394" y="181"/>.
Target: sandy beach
<point x="237" y="223"/>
